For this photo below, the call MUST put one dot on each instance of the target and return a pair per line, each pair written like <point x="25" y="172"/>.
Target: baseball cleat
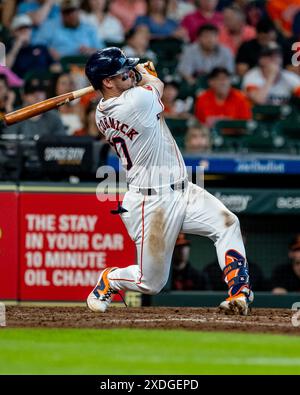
<point x="238" y="304"/>
<point x="101" y="296"/>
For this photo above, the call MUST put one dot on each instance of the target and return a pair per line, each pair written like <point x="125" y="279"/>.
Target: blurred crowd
<point x="186" y="277"/>
<point x="218" y="59"/>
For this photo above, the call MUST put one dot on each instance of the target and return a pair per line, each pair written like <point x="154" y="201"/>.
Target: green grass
<point x="131" y="351"/>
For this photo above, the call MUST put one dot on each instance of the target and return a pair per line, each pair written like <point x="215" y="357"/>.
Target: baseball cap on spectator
<point x="36" y="85"/>
<point x="21" y="21"/>
<point x="270" y="49"/>
<point x="70" y="5"/>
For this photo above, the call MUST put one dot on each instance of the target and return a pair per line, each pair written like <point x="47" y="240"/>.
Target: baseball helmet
<point x="106" y="63"/>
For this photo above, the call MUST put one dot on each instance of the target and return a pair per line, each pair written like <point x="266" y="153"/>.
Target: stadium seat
<point x="115" y="44"/>
<point x="244" y="136"/>
<point x="271" y="113"/>
<point x="79" y="60"/>
<point x="166" y="49"/>
<point x="289" y="130"/>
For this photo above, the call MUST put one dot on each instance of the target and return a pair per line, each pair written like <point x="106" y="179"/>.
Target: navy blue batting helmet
<point x="106" y="63"/>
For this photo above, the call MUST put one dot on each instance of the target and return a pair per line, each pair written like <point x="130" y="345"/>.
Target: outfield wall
<point x="54" y="238"/>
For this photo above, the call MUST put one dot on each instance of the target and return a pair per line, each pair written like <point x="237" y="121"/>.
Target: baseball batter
<point x="160" y="201"/>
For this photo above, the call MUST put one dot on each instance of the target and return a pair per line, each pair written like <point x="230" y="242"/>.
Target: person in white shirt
<point x="269" y="83"/>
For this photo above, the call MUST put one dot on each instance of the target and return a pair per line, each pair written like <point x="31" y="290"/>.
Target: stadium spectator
<point x="283" y="12"/>
<point x="197" y="139"/>
<point x="184" y="276"/>
<point x="221" y="100"/>
<point x="204" y="55"/>
<point x="255" y="11"/>
<point x="67" y="35"/>
<point x="159" y="25"/>
<point x="7" y="96"/>
<point x="269" y="83"/>
<point x="213" y="276"/>
<point x="71" y="113"/>
<point x="39" y="11"/>
<point x="178" y="9"/>
<point x="5" y="36"/>
<point x="205" y="14"/>
<point x="235" y="31"/>
<point x="175" y="107"/>
<point x="247" y="54"/>
<point x="127" y="11"/>
<point x="24" y="57"/>
<point x="137" y="44"/>
<point x="96" y="13"/>
<point x="7" y="12"/>
<point x="286" y="277"/>
<point x="48" y="123"/>
<point x="89" y="125"/>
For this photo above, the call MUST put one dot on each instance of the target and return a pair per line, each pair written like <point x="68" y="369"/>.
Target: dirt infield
<point x="199" y="319"/>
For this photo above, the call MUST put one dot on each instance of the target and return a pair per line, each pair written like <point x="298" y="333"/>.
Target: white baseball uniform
<point x="159" y="203"/>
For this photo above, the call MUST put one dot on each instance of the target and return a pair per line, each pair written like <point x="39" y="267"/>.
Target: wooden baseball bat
<point x="43" y="106"/>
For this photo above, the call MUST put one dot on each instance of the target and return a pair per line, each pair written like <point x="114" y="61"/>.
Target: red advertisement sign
<point x="66" y="240"/>
<point x="8" y="245"/>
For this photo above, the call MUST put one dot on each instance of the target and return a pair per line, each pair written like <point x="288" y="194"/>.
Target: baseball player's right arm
<point x="150" y="79"/>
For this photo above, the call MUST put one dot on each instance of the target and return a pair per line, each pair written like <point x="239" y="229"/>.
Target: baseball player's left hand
<point x="146" y="68"/>
<point x="149" y="66"/>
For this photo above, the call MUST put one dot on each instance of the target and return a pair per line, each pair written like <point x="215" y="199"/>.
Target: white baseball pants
<point x="153" y="222"/>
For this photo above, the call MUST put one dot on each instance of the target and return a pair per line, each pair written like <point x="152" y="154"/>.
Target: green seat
<point x="243" y="136"/>
<point x="271" y="113"/>
<point x="78" y="60"/>
<point x="186" y="90"/>
<point x="166" y="49"/>
<point x="234" y="127"/>
<point x="42" y="75"/>
<point x="289" y="130"/>
<point x="114" y="44"/>
<point x="228" y="135"/>
<point x="165" y="68"/>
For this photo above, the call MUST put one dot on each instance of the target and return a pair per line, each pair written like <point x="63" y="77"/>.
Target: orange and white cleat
<point x="238" y="304"/>
<point x="101" y="296"/>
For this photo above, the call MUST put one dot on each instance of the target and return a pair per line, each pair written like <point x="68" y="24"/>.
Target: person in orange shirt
<point x="235" y="31"/>
<point x="221" y="101"/>
<point x="283" y="12"/>
<point x="127" y="11"/>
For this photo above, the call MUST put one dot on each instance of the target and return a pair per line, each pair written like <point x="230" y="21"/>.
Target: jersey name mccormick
<point x="105" y="123"/>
